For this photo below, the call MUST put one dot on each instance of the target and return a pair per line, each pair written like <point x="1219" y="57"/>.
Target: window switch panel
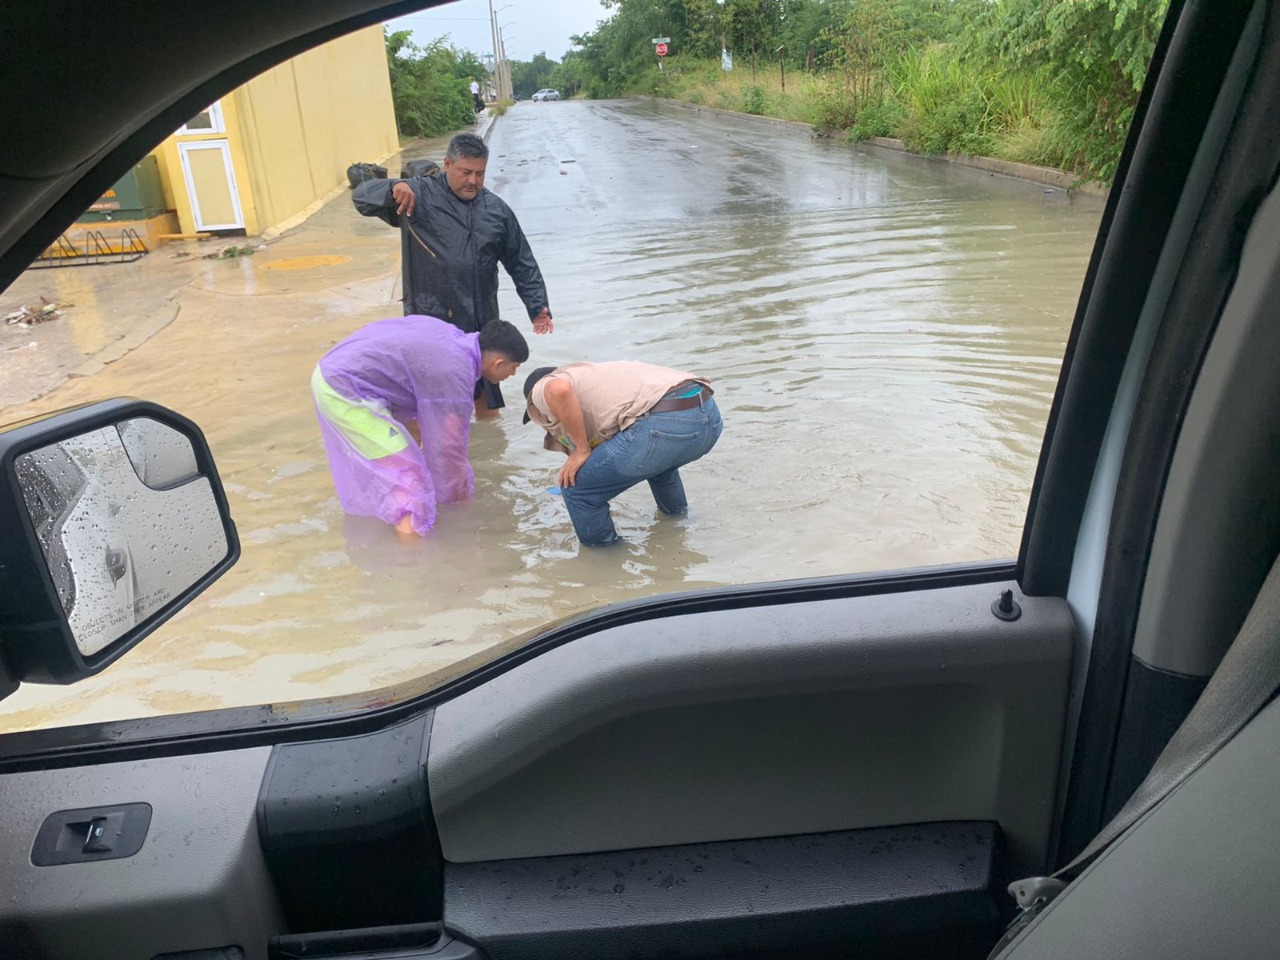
<point x="91" y="834"/>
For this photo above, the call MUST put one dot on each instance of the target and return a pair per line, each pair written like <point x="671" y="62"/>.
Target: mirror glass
<point x="126" y="522"/>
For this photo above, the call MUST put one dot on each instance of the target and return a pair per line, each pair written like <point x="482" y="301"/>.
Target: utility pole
<point x="506" y="67"/>
<point x="497" y="57"/>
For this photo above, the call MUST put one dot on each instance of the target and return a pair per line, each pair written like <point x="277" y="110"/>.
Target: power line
<point x="445" y="19"/>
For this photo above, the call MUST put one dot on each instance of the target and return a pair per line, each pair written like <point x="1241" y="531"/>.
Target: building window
<point x="208" y="120"/>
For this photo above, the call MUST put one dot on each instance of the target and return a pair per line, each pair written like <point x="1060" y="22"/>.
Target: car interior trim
<point x="1110" y="580"/>
<point x="649" y="734"/>
<point x="348" y="833"/>
<point x="198" y="880"/>
<point x="1158" y="156"/>
<point x="1209" y="557"/>
<point x="923" y="890"/>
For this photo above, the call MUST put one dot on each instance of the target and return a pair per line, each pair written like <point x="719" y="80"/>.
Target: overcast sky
<point x="528" y="26"/>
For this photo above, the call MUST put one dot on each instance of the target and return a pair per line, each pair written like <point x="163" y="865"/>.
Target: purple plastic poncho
<point x="406" y="368"/>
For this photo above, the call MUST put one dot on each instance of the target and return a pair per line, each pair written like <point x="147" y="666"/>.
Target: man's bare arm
<point x="562" y="401"/>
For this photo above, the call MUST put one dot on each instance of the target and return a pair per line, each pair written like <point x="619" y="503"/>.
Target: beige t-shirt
<point x="612" y="396"/>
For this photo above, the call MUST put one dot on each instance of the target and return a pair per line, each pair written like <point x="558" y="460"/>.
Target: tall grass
<point x="945" y="108"/>
<point x="703" y="82"/>
<point x="933" y="98"/>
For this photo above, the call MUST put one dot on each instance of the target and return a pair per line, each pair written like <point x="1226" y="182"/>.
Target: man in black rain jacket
<point x="454" y="234"/>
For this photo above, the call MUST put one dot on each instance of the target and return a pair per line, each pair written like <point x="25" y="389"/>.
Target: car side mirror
<point x="113" y="519"/>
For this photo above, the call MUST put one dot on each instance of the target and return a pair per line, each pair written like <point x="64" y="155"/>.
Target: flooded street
<point x="884" y="334"/>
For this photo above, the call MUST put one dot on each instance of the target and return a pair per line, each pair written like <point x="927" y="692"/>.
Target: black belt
<point x="667" y="404"/>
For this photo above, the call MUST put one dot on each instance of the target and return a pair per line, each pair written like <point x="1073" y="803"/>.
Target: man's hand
<point x="404" y="197"/>
<point x="569" y="472"/>
<point x="542" y="323"/>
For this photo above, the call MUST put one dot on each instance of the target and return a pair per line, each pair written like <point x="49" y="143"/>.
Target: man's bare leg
<point x="484" y="411"/>
<point x="405" y="527"/>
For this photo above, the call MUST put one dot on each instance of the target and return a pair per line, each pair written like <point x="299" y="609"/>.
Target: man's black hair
<point x="502" y="337"/>
<point x="467" y="145"/>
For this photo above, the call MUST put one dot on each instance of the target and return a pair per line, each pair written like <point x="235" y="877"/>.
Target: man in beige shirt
<point x="620" y="423"/>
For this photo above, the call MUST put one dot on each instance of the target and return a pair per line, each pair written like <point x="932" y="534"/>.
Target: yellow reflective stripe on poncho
<point x="373" y="436"/>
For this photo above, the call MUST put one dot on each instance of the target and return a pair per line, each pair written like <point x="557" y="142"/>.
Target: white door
<point x="211" y="184"/>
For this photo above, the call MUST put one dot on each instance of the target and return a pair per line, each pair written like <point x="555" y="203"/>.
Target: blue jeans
<point x="653" y="448"/>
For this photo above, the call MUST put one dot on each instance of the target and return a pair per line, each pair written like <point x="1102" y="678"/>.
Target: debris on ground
<point x="33" y="313"/>
<point x="230" y="253"/>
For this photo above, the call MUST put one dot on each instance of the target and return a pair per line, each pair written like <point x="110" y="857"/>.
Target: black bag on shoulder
<point x="358" y="173"/>
<point x="419" y="168"/>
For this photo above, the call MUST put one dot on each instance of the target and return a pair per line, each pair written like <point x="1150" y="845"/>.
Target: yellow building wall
<point x="293" y="131"/>
<point x="175" y="187"/>
<point x="302" y="123"/>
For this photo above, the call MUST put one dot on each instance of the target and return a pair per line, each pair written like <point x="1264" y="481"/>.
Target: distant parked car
<point x="546" y="93"/>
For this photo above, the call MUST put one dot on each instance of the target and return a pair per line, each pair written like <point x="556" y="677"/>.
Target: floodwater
<point x="884" y="334"/>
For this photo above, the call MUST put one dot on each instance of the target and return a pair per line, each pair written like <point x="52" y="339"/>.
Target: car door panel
<point x="200" y="880"/>
<point x="347" y="830"/>
<point x="774" y="731"/>
<point x="780" y="720"/>
<point x="930" y="890"/>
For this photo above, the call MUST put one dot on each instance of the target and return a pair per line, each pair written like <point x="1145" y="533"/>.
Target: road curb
<point x="272" y="234"/>
<point x="1048" y="176"/>
<point x="143" y="331"/>
<point x="1028" y="172"/>
<point x="790" y="127"/>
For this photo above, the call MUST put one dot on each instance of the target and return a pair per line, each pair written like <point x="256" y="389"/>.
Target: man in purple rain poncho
<point x="394" y="401"/>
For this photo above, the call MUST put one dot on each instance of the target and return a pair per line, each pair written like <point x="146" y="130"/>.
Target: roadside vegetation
<point x="1050" y="82"/>
<point x="430" y="86"/>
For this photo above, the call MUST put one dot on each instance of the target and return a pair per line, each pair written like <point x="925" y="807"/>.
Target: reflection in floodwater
<point x="884" y="335"/>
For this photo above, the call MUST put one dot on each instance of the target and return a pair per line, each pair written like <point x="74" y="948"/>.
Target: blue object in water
<point x="554" y="491"/>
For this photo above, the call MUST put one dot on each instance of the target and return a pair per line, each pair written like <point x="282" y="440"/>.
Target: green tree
<point x="754" y="28"/>
<point x="1094" y="53"/>
<point x="809" y="29"/>
<point x="1050" y="81"/>
<point x="704" y="27"/>
<point x="618" y="56"/>
<point x="530" y="76"/>
<point x="861" y="44"/>
<point x="570" y="75"/>
<point x="428" y="88"/>
<point x="467" y="65"/>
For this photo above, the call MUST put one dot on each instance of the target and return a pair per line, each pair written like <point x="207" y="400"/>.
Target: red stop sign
<point x="662" y="49"/>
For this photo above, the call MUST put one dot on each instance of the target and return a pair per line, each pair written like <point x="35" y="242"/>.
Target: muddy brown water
<point x="884" y="334"/>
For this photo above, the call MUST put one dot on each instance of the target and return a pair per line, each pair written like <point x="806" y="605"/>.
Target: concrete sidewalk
<point x="106" y="312"/>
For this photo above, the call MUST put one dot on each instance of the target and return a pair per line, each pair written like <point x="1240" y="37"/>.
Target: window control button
<point x="99" y="838"/>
